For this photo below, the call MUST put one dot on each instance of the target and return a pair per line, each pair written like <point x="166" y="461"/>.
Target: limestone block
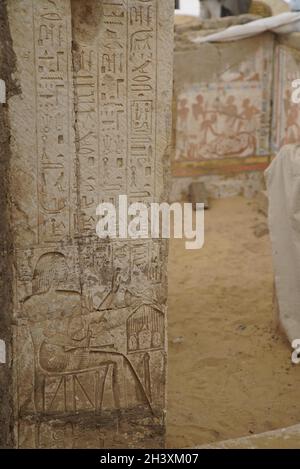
<point x="92" y="121"/>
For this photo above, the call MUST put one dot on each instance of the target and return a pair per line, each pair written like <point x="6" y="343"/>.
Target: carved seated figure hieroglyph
<point x="62" y="330"/>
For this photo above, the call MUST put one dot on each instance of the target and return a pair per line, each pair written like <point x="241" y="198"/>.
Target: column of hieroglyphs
<point x="92" y="122"/>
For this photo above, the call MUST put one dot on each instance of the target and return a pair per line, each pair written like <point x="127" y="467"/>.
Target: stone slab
<point x="92" y="121"/>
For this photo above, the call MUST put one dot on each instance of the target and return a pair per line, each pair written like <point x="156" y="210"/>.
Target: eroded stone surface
<point x="286" y="113"/>
<point x="92" y="122"/>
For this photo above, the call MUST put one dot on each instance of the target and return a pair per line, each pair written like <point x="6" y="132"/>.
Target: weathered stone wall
<point x="92" y="122"/>
<point x="286" y="113"/>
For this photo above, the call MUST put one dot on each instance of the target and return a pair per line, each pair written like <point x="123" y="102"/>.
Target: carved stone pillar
<point x="89" y="121"/>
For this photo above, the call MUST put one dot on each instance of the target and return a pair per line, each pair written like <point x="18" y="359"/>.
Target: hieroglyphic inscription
<point x="127" y="71"/>
<point x="142" y="63"/>
<point x="113" y="100"/>
<point x="115" y="89"/>
<point x="87" y="142"/>
<point x="52" y="35"/>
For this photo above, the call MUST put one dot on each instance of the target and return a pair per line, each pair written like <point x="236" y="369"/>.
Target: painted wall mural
<point x="286" y="114"/>
<point x="229" y="117"/>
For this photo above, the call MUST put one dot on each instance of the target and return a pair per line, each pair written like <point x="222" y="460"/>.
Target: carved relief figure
<point x="62" y="332"/>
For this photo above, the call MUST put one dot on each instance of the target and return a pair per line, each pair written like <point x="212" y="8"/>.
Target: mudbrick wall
<point x="90" y="120"/>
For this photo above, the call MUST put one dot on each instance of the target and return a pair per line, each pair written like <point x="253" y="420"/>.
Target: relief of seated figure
<point x="62" y="329"/>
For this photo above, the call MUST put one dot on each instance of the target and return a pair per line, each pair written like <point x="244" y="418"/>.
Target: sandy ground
<point x="230" y="373"/>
